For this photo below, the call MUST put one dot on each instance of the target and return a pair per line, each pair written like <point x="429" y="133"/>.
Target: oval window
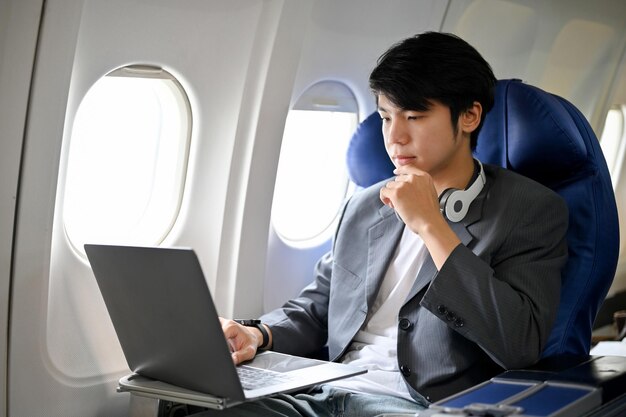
<point x="127" y="160"/>
<point x="312" y="178"/>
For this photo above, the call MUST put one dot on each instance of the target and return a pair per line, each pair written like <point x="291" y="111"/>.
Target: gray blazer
<point x="491" y="307"/>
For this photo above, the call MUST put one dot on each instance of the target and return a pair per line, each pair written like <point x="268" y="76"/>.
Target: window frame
<point x="328" y="96"/>
<point x="182" y="163"/>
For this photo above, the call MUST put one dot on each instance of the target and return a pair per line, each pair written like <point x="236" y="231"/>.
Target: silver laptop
<point x="169" y="330"/>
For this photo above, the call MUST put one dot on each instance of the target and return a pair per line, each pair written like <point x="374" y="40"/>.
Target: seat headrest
<point x="531" y="132"/>
<point x="368" y="162"/>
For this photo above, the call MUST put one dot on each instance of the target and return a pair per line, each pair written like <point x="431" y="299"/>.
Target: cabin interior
<point x="240" y="113"/>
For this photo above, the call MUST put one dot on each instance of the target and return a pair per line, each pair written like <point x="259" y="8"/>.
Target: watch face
<point x="248" y="322"/>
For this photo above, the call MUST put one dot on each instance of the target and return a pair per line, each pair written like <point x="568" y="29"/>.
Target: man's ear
<point x="470" y="118"/>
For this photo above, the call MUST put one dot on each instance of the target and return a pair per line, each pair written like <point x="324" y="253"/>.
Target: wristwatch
<point x="256" y="323"/>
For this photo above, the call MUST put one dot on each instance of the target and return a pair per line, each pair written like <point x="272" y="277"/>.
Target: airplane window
<point x="127" y="159"/>
<point x="612" y="141"/>
<point x="312" y="178"/>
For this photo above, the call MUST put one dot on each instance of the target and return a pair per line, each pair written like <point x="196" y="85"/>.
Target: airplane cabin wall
<point x="19" y="25"/>
<point x="570" y="48"/>
<point x="242" y="64"/>
<point x="235" y="61"/>
<point x="28" y="359"/>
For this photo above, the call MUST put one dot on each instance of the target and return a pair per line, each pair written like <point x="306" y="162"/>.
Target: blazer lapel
<point x="383" y="240"/>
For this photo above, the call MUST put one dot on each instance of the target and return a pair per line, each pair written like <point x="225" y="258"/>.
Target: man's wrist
<point x="254" y="323"/>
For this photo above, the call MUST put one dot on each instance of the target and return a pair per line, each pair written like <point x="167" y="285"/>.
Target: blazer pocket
<point x="344" y="278"/>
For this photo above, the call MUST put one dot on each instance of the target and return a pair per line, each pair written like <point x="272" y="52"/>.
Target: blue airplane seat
<point x="367" y="158"/>
<point x="546" y="138"/>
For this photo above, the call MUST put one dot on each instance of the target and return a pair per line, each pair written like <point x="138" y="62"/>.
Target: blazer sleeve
<point x="503" y="292"/>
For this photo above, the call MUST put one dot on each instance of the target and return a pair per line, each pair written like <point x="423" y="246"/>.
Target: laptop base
<point x="152" y="388"/>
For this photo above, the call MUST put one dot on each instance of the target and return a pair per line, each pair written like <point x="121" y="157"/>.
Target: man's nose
<point x="397" y="132"/>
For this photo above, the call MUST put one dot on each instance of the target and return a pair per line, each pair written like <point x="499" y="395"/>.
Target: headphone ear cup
<point x="443" y="198"/>
<point x="453" y="205"/>
<point x="457" y="205"/>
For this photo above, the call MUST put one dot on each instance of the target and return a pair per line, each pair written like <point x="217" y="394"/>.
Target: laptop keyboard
<point x="253" y="378"/>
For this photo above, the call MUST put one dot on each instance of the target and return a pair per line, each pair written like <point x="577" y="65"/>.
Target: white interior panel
<point x="571" y="48"/>
<point x="222" y="53"/>
<point x="19" y="27"/>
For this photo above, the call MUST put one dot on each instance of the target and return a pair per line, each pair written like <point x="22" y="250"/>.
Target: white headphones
<point x="454" y="203"/>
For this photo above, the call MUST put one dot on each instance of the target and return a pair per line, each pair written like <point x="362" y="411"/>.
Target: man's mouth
<point x="403" y="159"/>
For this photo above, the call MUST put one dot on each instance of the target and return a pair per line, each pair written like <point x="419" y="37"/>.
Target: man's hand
<point x="242" y="341"/>
<point x="413" y="196"/>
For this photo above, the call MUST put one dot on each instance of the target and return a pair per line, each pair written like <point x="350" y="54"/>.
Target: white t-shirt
<point x="375" y="346"/>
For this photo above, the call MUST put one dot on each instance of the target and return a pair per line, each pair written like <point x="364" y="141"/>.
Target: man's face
<point x="424" y="139"/>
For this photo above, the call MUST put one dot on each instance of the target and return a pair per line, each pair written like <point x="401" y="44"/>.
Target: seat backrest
<point x="544" y="137"/>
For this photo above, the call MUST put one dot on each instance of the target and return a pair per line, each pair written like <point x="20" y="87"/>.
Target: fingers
<point x="244" y="354"/>
<point x="241" y="341"/>
<point x="409" y="170"/>
<point x="413" y="197"/>
<point x="385" y="198"/>
<point x="387" y="193"/>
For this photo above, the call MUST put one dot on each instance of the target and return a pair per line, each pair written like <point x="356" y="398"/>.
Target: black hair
<point x="435" y="66"/>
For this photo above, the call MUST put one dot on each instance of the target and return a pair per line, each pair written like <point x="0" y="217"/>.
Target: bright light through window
<point x="127" y="159"/>
<point x="612" y="141"/>
<point x="312" y="177"/>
